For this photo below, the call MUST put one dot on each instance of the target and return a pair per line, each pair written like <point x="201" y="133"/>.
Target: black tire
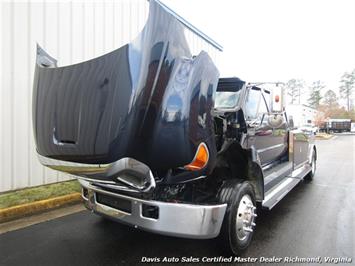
<point x="310" y="175"/>
<point x="232" y="192"/>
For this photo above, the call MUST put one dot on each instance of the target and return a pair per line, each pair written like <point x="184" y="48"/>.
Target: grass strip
<point x="28" y="195"/>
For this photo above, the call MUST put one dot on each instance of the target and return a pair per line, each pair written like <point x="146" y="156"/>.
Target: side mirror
<point x="275" y="120"/>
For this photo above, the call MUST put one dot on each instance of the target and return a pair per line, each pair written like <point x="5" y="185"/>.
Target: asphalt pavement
<point x="316" y="219"/>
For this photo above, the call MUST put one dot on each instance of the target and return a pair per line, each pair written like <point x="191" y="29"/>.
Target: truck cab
<point x="159" y="142"/>
<point x="271" y="143"/>
<point x="256" y="119"/>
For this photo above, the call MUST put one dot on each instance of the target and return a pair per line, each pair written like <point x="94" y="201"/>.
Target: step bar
<point x="280" y="191"/>
<point x="274" y="175"/>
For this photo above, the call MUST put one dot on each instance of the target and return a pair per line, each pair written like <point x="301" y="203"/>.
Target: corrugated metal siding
<point x="71" y="31"/>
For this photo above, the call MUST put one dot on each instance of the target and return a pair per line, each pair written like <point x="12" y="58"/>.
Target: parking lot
<point x="315" y="220"/>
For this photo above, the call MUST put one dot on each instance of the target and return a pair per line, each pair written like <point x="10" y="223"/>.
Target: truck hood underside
<point x="149" y="100"/>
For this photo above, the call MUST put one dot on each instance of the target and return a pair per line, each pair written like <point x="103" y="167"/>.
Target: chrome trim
<point x="291" y="145"/>
<point x="92" y="180"/>
<point x="286" y="170"/>
<point x="73" y="168"/>
<point x="281" y="190"/>
<point x="193" y="179"/>
<point x="115" y="187"/>
<point x="245" y="218"/>
<point x="82" y="194"/>
<point x="270" y="148"/>
<point x="105" y="173"/>
<point x="175" y="219"/>
<point x="137" y="166"/>
<point x="302" y="171"/>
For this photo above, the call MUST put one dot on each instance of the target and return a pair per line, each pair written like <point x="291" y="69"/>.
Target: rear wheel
<point x="239" y="221"/>
<point x="311" y="174"/>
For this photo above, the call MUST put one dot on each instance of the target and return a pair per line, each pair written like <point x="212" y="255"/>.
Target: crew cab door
<point x="270" y="143"/>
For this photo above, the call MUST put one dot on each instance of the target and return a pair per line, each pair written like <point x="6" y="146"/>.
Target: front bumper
<point x="175" y="219"/>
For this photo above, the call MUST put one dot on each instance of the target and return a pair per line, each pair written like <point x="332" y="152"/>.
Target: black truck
<point x="338" y="125"/>
<point x="160" y="143"/>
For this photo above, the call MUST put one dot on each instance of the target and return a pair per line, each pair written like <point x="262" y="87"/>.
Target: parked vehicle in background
<point x="309" y="129"/>
<point x="338" y="125"/>
<point x="352" y="127"/>
<point x="158" y="142"/>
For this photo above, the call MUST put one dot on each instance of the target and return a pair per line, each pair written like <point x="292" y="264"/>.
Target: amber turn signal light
<point x="200" y="160"/>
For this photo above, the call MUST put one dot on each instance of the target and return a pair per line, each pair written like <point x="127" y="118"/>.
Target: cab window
<point x="252" y="103"/>
<point x="226" y="99"/>
<point x="263" y="109"/>
<point x="267" y="98"/>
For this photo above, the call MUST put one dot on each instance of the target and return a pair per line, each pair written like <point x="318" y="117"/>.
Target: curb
<point x="322" y="137"/>
<point x="38" y="206"/>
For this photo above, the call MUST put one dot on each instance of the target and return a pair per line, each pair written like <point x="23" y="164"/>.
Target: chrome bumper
<point x="175" y="219"/>
<point x="109" y="174"/>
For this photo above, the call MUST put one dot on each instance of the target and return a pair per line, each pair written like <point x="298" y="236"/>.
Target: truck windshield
<point x="226" y="99"/>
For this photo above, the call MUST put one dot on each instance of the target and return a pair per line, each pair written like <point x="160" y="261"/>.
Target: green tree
<point x="294" y="88"/>
<point x="347" y="86"/>
<point x="315" y="93"/>
<point x="330" y="99"/>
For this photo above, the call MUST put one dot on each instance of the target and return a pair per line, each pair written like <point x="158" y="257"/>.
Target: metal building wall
<point x="71" y="31"/>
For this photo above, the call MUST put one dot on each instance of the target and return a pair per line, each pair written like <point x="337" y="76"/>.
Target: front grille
<point x="113" y="202"/>
<point x="120" y="189"/>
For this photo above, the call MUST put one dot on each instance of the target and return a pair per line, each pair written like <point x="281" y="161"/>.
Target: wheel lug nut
<point x="248" y="229"/>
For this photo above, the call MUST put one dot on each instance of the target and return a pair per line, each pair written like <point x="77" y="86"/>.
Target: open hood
<point x="149" y="100"/>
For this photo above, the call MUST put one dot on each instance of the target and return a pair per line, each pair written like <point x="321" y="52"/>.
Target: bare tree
<point x="347" y="86"/>
<point x="294" y="88"/>
<point x="330" y="99"/>
<point x="315" y="93"/>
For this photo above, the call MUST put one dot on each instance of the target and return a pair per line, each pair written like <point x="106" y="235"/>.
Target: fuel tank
<point x="150" y="100"/>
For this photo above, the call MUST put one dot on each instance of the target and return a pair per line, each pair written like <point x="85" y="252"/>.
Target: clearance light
<point x="200" y="160"/>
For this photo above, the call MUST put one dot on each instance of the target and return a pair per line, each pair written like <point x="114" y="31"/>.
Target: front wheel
<point x="239" y="221"/>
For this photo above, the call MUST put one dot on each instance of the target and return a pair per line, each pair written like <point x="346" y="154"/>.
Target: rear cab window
<point x="228" y="93"/>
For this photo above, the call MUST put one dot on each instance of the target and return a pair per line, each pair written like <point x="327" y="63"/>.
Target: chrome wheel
<point x="245" y="217"/>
